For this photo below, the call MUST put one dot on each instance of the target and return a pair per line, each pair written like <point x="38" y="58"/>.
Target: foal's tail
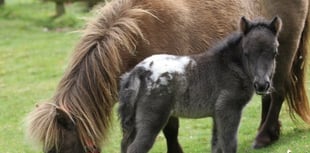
<point x="88" y="89"/>
<point x="129" y="90"/>
<point x="297" y="94"/>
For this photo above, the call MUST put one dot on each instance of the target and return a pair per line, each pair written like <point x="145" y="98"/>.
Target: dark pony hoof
<point x="264" y="141"/>
<point x="267" y="137"/>
<point x="261" y="142"/>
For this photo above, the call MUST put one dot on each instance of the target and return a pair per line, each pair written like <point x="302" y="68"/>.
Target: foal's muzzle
<point x="261" y="88"/>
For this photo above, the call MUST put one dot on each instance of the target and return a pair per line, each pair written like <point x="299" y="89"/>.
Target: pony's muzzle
<point x="261" y="88"/>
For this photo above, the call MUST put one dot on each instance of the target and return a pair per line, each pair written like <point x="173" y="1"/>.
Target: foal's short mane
<point x="233" y="39"/>
<point x="227" y="43"/>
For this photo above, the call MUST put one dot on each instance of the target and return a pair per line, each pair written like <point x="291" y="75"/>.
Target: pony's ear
<point x="64" y="120"/>
<point x="244" y="25"/>
<point x="276" y="25"/>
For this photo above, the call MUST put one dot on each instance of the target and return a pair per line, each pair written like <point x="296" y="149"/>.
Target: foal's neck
<point x="228" y="53"/>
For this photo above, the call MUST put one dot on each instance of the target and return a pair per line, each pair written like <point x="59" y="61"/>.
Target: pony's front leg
<point x="227" y="123"/>
<point x="269" y="130"/>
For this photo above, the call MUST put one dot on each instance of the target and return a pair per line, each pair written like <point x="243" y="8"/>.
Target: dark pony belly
<point x="192" y="110"/>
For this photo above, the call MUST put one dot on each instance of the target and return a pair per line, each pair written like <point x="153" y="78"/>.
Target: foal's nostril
<point x="262" y="87"/>
<point x="256" y="86"/>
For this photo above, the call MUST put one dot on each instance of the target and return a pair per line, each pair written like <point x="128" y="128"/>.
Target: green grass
<point x="32" y="59"/>
<point x="34" y="51"/>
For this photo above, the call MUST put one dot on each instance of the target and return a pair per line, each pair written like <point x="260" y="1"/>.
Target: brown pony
<point x="126" y="31"/>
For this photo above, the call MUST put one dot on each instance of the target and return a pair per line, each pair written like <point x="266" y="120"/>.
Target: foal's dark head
<point x="260" y="45"/>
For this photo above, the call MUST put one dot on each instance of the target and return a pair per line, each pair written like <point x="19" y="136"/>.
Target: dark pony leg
<point x="227" y="121"/>
<point x="152" y="113"/>
<point x="171" y="131"/>
<point x="266" y="100"/>
<point x="128" y="137"/>
<point x="215" y="147"/>
<point x="269" y="130"/>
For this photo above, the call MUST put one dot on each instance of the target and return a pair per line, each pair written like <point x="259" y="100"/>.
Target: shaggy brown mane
<point x="83" y="92"/>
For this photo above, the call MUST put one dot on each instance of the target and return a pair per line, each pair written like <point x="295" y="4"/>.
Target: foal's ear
<point x="276" y="25"/>
<point x="64" y="120"/>
<point x="245" y="25"/>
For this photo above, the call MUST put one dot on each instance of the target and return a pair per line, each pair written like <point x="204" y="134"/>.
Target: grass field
<point x="34" y="51"/>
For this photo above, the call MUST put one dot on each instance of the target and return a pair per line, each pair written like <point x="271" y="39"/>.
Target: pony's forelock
<point x="42" y="126"/>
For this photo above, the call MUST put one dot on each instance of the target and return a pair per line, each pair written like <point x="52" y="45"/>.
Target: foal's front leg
<point x="227" y="123"/>
<point x="216" y="148"/>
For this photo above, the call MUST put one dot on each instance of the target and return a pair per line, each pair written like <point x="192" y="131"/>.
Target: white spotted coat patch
<point x="163" y="63"/>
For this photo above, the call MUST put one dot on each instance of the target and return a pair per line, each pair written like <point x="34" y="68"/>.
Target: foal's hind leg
<point x="171" y="131"/>
<point x="128" y="137"/>
<point x="151" y="116"/>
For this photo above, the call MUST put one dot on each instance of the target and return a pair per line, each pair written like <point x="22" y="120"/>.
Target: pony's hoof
<point x="261" y="141"/>
<point x="259" y="145"/>
<point x="267" y="137"/>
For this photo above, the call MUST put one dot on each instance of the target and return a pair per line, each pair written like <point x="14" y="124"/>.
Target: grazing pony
<point x="217" y="83"/>
<point x="126" y="31"/>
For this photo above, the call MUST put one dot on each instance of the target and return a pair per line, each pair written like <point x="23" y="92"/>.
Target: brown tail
<point x="297" y="94"/>
<point x="88" y="90"/>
